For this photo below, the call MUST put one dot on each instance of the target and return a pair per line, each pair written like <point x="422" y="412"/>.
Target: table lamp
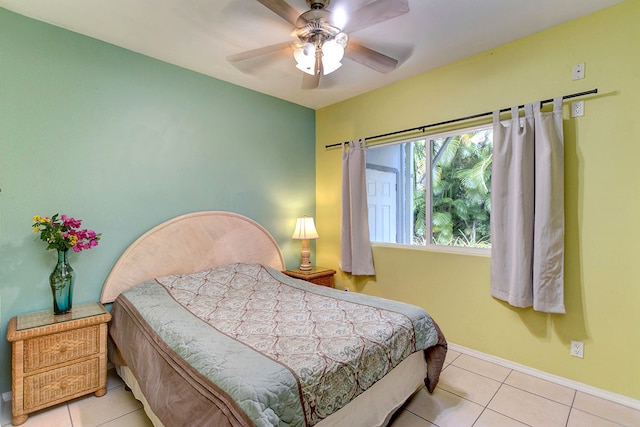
<point x="305" y="230"/>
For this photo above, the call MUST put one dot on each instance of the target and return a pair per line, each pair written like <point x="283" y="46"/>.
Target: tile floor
<point x="472" y="392"/>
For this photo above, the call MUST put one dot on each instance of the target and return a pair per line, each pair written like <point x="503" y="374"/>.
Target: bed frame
<point x="189" y="243"/>
<point x="203" y="240"/>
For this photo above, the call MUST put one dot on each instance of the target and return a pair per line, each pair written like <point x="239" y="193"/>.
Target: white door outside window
<point x="381" y="201"/>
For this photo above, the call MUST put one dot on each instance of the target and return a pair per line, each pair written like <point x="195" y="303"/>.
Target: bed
<point x="207" y="331"/>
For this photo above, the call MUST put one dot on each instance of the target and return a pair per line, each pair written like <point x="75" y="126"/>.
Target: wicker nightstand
<point x="318" y="275"/>
<point x="57" y="358"/>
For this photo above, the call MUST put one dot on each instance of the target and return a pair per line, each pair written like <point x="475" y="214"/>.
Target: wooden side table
<point x="57" y="358"/>
<point x="317" y="275"/>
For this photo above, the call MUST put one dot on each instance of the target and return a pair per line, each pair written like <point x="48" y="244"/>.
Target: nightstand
<point x="57" y="358"/>
<point x="317" y="275"/>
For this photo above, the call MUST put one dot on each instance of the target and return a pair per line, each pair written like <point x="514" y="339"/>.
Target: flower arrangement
<point x="64" y="233"/>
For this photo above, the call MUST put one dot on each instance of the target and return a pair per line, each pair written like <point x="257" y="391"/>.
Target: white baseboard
<point x="594" y="391"/>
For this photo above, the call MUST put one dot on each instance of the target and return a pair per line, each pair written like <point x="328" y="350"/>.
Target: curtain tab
<point x="515" y="113"/>
<point x="528" y="110"/>
<point x="557" y="104"/>
<point x="537" y="107"/>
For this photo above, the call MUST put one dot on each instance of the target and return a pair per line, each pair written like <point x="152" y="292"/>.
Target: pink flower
<point x="70" y="222"/>
<point x="62" y="233"/>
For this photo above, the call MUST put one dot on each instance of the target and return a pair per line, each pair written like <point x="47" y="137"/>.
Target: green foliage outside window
<point x="461" y="190"/>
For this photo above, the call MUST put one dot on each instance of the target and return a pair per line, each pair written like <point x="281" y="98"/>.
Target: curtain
<point x="355" y="253"/>
<point x="527" y="209"/>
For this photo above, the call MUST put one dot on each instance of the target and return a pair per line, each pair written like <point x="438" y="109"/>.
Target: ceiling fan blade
<point x="282" y="9"/>
<point x="258" y="52"/>
<point x="370" y="58"/>
<point x="310" y="81"/>
<point x="376" y="12"/>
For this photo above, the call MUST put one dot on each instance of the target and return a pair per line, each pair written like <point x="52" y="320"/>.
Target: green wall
<point x="602" y="275"/>
<point x="125" y="142"/>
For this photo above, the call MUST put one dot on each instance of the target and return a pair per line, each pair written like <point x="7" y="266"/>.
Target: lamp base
<point x="305" y="255"/>
<point x="305" y="267"/>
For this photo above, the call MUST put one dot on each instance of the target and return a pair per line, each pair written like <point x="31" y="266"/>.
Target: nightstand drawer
<point x="57" y="384"/>
<point x="50" y="350"/>
<point x="323" y="281"/>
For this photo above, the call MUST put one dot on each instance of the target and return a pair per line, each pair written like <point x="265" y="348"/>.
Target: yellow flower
<point x="36" y="218"/>
<point x="45" y="220"/>
<point x="36" y="229"/>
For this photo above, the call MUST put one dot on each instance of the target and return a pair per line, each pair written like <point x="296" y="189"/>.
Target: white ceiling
<point x="200" y="34"/>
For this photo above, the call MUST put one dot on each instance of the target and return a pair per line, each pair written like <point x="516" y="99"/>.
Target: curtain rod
<point x="461" y="119"/>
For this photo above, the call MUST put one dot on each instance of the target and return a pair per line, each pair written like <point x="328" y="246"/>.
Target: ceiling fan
<point x="322" y="38"/>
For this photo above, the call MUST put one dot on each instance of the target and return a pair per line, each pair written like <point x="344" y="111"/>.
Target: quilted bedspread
<point x="286" y="351"/>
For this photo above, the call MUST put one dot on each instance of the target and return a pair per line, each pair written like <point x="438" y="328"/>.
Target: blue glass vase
<point x="62" y="280"/>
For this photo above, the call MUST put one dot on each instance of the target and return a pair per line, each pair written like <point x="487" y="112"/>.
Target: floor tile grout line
<point x="69" y="415"/>
<point x="118" y="417"/>
<point x="477" y="373"/>
<point x="540" y="396"/>
<point x="571" y="408"/>
<point x="503" y="382"/>
<point x="495" y="394"/>
<point x="506" y="416"/>
<point x="570" y="405"/>
<point x="597" y="416"/>
<point x="479" y="416"/>
<point x="421" y="417"/>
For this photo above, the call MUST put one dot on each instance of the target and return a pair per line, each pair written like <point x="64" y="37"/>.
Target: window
<point x="433" y="191"/>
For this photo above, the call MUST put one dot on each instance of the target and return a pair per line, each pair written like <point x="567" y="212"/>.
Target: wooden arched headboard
<point x="190" y="243"/>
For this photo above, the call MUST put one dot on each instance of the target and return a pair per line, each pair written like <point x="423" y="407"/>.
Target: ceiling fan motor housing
<point x="318" y="4"/>
<point x="315" y="25"/>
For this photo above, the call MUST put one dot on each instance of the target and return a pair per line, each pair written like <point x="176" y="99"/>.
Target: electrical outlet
<point x="578" y="71"/>
<point x="577" y="109"/>
<point x="577" y="349"/>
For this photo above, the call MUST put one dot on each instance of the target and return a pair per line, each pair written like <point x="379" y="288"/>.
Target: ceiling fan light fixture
<point x="332" y="53"/>
<point x="323" y="42"/>
<point x="329" y="67"/>
<point x="305" y="57"/>
<point x="309" y="69"/>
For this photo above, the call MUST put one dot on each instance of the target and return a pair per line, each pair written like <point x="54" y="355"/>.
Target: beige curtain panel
<point x="527" y="209"/>
<point x="355" y="253"/>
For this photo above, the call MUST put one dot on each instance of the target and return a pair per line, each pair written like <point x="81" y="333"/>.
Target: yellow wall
<point x="602" y="277"/>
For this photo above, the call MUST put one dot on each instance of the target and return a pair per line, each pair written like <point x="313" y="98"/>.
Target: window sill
<point x="440" y="249"/>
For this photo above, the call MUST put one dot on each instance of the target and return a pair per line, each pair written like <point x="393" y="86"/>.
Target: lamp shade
<point x="305" y="229"/>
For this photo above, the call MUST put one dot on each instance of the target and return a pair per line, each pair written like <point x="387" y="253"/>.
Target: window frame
<point x="429" y="245"/>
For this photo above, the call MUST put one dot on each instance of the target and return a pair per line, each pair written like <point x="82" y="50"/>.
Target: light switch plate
<point x="578" y="71"/>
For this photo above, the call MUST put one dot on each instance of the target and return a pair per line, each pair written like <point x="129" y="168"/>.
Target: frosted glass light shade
<point x="332" y="53"/>
<point x="305" y="57"/>
<point x="305" y="229"/>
